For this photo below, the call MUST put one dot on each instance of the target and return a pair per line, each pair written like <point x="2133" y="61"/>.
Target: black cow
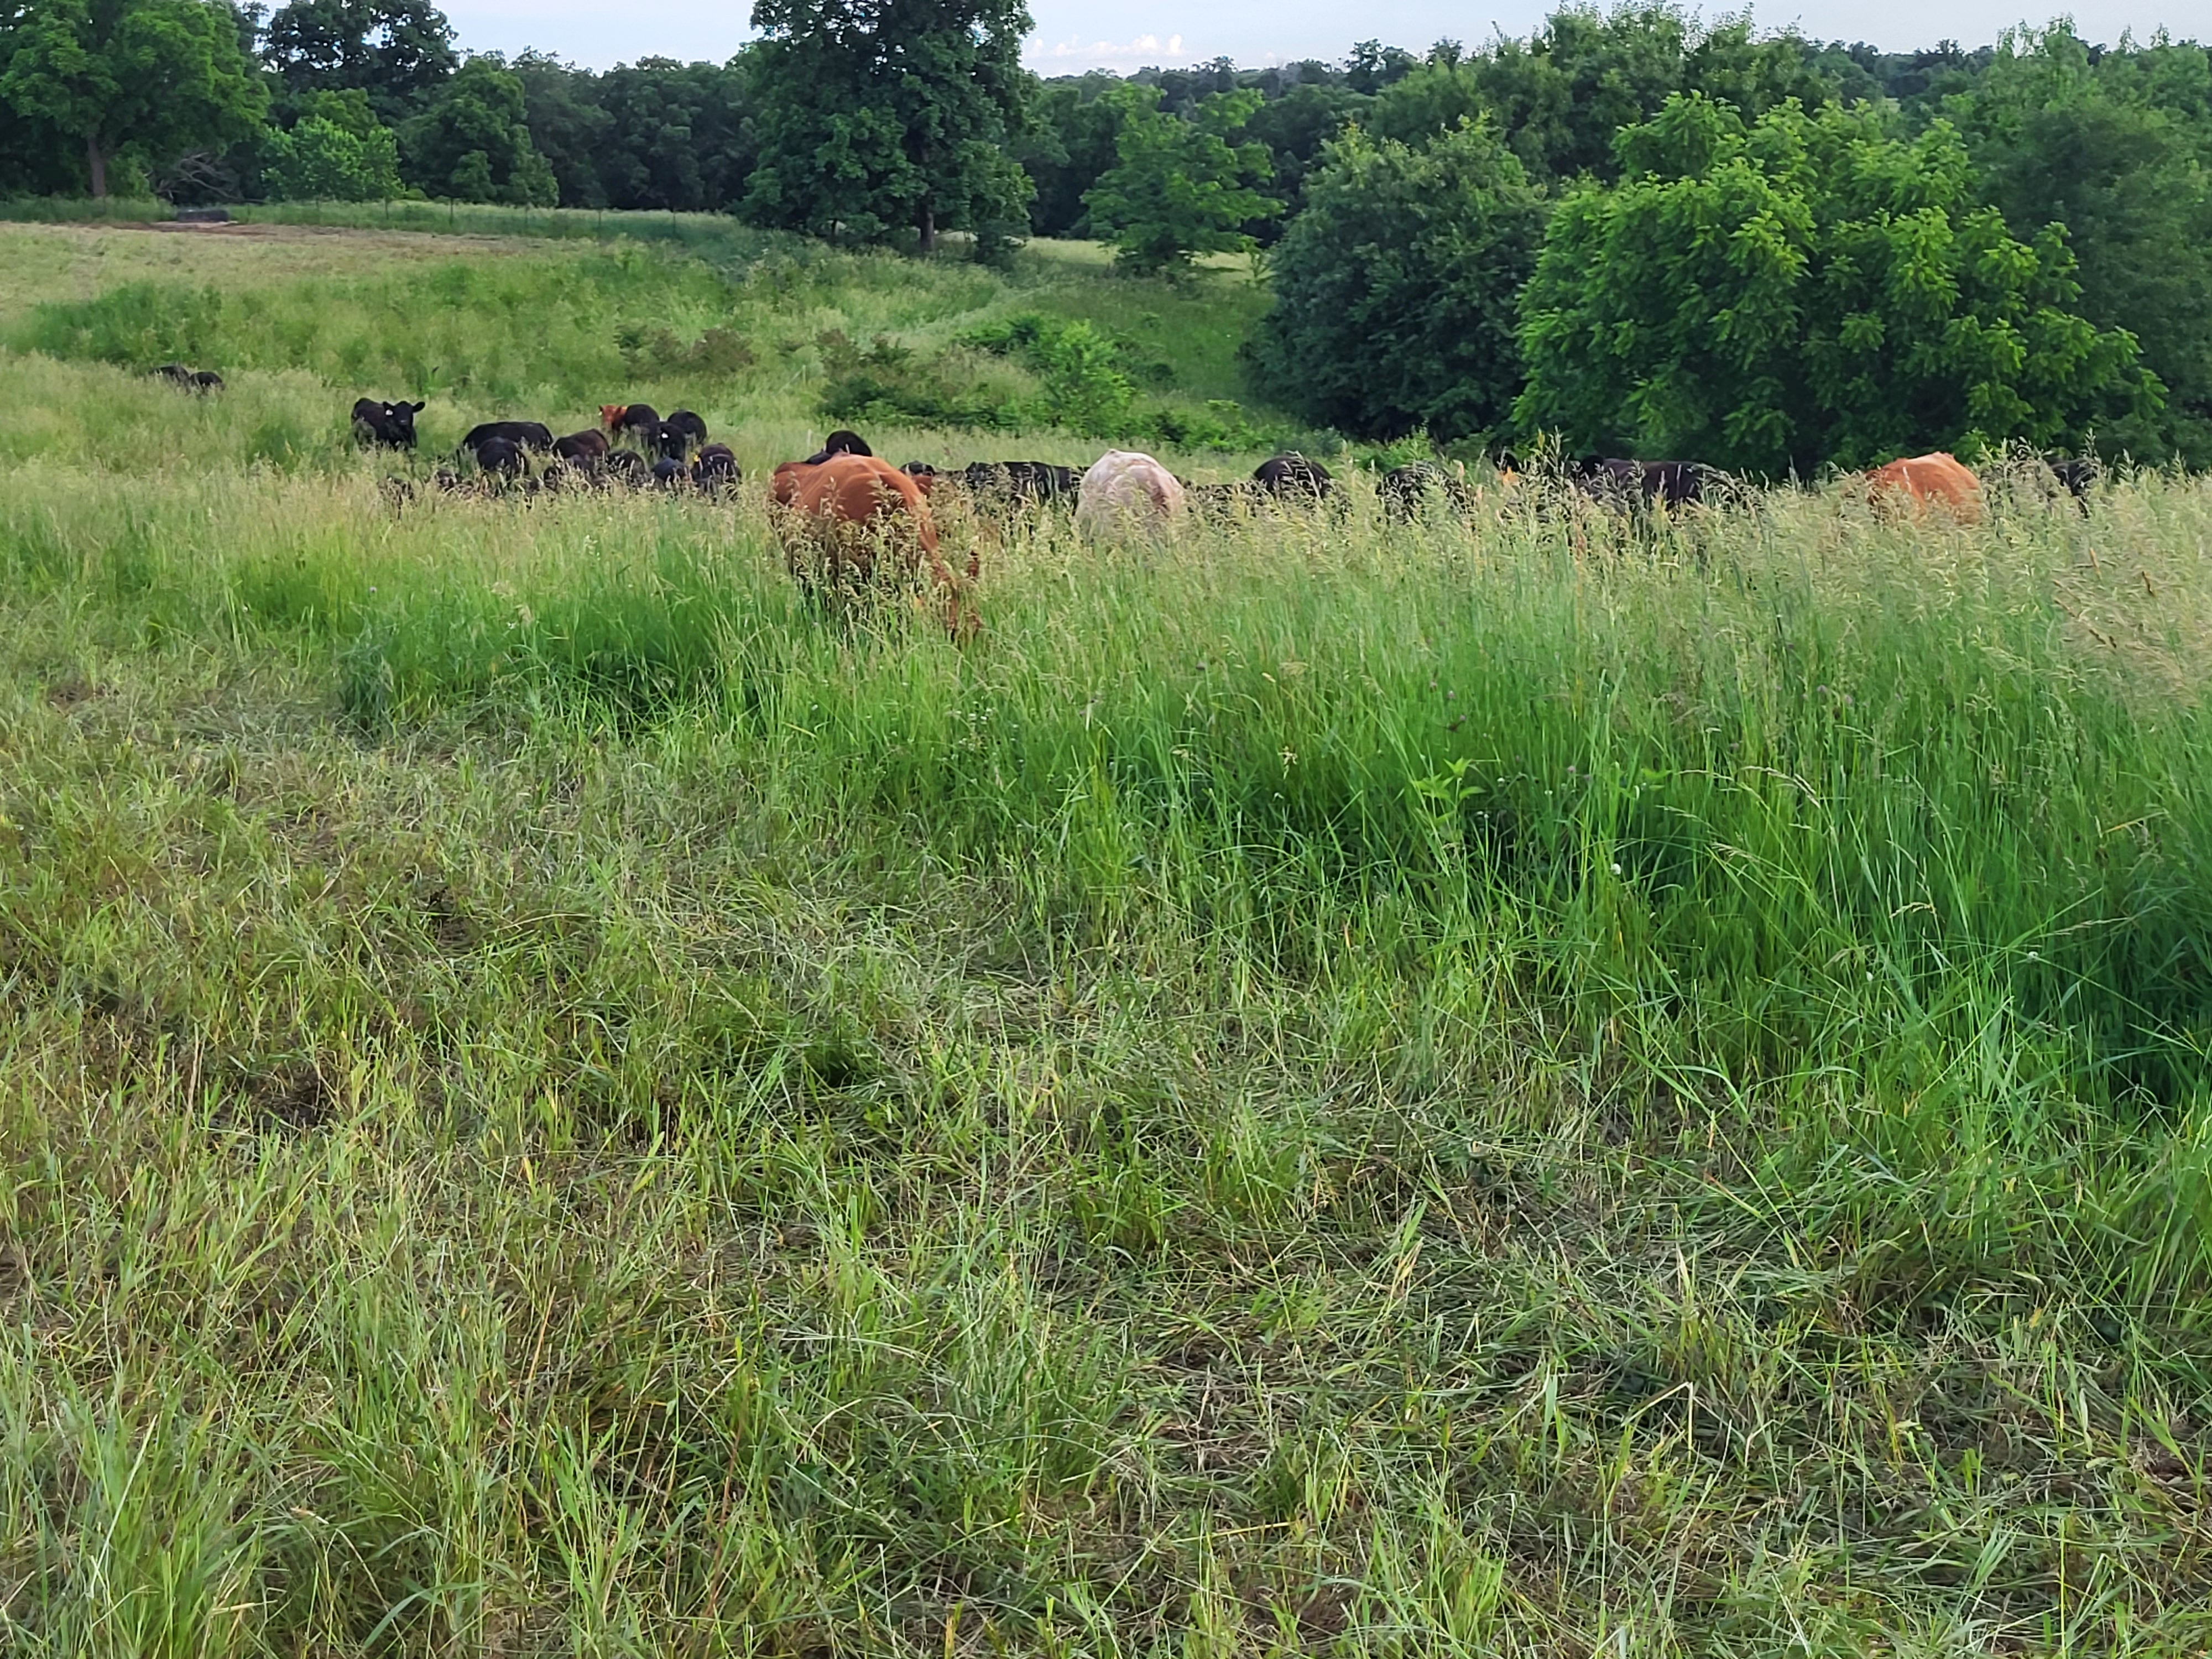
<point x="1224" y="497"/>
<point x="839" y="442"/>
<point x="499" y="457"/>
<point x="1623" y="484"/>
<point x="715" y="467"/>
<point x="668" y="472"/>
<point x="679" y="434"/>
<point x="1406" y="489"/>
<point x="1294" y="476"/>
<point x="590" y="446"/>
<point x="2080" y="477"/>
<point x="390" y="424"/>
<point x="524" y="435"/>
<point x="633" y="421"/>
<point x="176" y="373"/>
<point x="207" y="379"/>
<point x="626" y="466"/>
<point x="1026" y="484"/>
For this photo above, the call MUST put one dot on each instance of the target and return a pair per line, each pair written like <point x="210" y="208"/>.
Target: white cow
<point x="1126" y="490"/>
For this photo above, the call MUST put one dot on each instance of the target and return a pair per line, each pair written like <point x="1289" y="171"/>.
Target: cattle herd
<point x="849" y="520"/>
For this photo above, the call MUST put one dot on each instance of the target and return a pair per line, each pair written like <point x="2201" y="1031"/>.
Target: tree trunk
<point x="97" y="162"/>
<point x="929" y="239"/>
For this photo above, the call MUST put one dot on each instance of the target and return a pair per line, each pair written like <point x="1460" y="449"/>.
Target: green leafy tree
<point x="874" y="119"/>
<point x="473" y="144"/>
<point x="1181" y="188"/>
<point x="1395" y="289"/>
<point x="398" y="52"/>
<point x="1067" y="148"/>
<point x="338" y="151"/>
<point x="569" y="126"/>
<point x="1296" y="128"/>
<point x="1558" y="97"/>
<point x="2118" y="148"/>
<point x="149" y="78"/>
<point x="1776" y="294"/>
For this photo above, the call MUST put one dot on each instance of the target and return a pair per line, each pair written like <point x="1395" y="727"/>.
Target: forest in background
<point x="367" y="100"/>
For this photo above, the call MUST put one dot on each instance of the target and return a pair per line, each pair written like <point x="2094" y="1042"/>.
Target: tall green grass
<point x="1519" y="1088"/>
<point x="716" y="317"/>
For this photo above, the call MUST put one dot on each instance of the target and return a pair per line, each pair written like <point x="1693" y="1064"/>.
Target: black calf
<point x="390" y="424"/>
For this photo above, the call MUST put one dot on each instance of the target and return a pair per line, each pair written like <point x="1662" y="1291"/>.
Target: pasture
<point x="1497" y="1086"/>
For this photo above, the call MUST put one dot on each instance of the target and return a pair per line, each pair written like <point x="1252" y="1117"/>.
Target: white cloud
<point x="1078" y="54"/>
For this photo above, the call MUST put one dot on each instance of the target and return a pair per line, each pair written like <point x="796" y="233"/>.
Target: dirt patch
<point x="241" y="230"/>
<point x="288" y="1097"/>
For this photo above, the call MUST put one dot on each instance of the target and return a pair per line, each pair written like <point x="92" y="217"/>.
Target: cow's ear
<point x="418" y="408"/>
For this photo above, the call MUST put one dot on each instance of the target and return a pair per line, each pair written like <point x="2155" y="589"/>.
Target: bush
<point x="1806" y="289"/>
<point x="1395" y="288"/>
<point x="890" y="383"/>
<point x="319" y="161"/>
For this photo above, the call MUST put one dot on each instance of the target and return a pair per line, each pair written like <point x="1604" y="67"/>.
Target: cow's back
<point x="853" y="489"/>
<point x="1938" y="479"/>
<point x="1125" y="487"/>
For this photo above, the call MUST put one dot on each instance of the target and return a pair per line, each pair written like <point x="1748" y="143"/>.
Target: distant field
<point x="490" y="325"/>
<point x="1521" y="1086"/>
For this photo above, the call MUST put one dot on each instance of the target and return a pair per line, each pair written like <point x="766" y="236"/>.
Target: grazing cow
<point x="678" y="435"/>
<point x="176" y="373"/>
<point x="1124" y="486"/>
<point x="668" y="472"/>
<point x="1014" y="484"/>
<point x="626" y="466"/>
<point x="1021" y="481"/>
<point x="839" y="514"/>
<point x="633" y="421"/>
<point x="715" y="467"/>
<point x="591" y="446"/>
<point x="526" y="435"/>
<point x="1293" y="475"/>
<point x="499" y="457"/>
<point x="1925" y="481"/>
<point x="839" y="442"/>
<point x="207" y="380"/>
<point x="2080" y="477"/>
<point x="1406" y="489"/>
<point x="390" y="424"/>
<point x="1624" y="483"/>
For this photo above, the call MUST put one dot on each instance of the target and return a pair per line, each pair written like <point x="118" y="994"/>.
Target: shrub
<point x="1806" y="289"/>
<point x="1395" y="288"/>
<point x="319" y="161"/>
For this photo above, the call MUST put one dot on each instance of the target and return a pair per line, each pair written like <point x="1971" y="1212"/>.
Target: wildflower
<point x="1616" y="868"/>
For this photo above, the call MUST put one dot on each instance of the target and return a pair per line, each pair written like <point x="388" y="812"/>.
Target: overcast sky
<point x="1078" y="34"/>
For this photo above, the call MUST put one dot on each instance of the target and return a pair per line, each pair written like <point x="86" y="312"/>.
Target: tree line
<point x="1639" y="231"/>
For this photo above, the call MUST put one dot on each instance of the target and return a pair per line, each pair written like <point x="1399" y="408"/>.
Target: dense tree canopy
<point x="396" y="51"/>
<point x="337" y="151"/>
<point x="2117" y="147"/>
<point x="876" y="119"/>
<point x="145" y="78"/>
<point x="1395" y="289"/>
<point x="1180" y="185"/>
<point x="472" y="144"/>
<point x="1805" y="288"/>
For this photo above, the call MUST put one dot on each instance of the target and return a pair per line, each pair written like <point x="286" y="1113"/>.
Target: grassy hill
<point x="1516" y="1086"/>
<point x="751" y="329"/>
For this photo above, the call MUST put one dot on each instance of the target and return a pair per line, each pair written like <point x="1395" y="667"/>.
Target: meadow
<point x="1524" y="1086"/>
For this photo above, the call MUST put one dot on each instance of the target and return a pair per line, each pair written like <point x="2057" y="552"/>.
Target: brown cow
<point x="1925" y="481"/>
<point x="839" y="514"/>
